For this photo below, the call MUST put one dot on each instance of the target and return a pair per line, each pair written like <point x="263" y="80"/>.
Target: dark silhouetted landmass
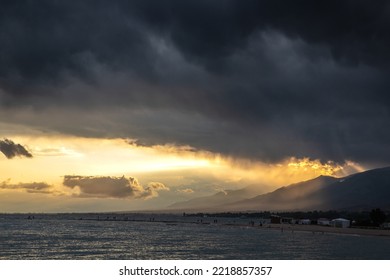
<point x="357" y="192"/>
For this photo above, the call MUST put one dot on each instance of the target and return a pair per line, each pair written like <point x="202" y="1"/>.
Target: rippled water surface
<point x="73" y="237"/>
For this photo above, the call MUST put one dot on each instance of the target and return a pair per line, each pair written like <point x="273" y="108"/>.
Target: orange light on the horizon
<point x="55" y="156"/>
<point x="329" y="168"/>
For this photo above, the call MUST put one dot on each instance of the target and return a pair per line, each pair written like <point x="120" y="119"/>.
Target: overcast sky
<point x="258" y="80"/>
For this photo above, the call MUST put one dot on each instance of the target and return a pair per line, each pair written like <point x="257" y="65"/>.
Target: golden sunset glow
<point x="168" y="129"/>
<point x="178" y="170"/>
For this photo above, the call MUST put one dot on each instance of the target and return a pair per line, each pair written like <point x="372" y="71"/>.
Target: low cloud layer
<point x="186" y="191"/>
<point x="11" y="149"/>
<point x="114" y="187"/>
<point x="35" y="187"/>
<point x="265" y="80"/>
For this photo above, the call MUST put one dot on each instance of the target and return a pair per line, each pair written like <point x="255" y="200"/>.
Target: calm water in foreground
<point x="159" y="237"/>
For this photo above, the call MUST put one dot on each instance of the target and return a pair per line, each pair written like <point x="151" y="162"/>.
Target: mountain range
<point x="360" y="191"/>
<point x="218" y="199"/>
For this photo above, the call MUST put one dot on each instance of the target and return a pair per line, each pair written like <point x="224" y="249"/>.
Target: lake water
<point x="147" y="237"/>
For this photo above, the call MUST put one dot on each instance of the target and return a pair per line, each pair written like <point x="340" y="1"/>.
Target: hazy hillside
<point x="364" y="190"/>
<point x="295" y="196"/>
<point x="218" y="199"/>
<point x="358" y="191"/>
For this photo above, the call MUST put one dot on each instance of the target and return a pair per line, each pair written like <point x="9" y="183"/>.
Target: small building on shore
<point x="385" y="225"/>
<point x="323" y="222"/>
<point x="287" y="220"/>
<point x="304" y="222"/>
<point x="340" y="223"/>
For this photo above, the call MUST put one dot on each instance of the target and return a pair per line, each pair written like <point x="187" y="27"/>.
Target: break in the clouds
<point x="258" y="79"/>
<point x="115" y="187"/>
<point x="11" y="149"/>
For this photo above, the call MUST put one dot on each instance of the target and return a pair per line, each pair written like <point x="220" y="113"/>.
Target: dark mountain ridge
<point x="360" y="191"/>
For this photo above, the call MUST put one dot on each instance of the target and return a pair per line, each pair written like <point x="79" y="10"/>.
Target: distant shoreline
<point x="285" y="228"/>
<point x="317" y="229"/>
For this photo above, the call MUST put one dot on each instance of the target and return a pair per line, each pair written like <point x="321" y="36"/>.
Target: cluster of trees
<point x="377" y="216"/>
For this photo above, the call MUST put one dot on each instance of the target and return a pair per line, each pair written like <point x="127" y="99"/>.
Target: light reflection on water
<point x="54" y="237"/>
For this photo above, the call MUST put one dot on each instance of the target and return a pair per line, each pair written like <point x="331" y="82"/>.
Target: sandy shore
<point x="316" y="229"/>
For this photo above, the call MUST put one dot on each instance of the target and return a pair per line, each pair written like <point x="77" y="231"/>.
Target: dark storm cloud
<point x="258" y="79"/>
<point x="46" y="40"/>
<point x="11" y="149"/>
